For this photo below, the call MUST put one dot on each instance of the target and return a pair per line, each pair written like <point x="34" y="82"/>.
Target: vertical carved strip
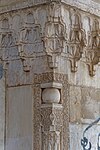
<point x="37" y="118"/>
<point x="51" y="116"/>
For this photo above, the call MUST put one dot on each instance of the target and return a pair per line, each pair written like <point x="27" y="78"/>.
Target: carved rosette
<point x="93" y="50"/>
<point x="51" y="112"/>
<point x="77" y="42"/>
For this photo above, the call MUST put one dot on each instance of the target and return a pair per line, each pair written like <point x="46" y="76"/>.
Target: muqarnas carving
<point x="93" y="48"/>
<point x="77" y="41"/>
<point x="8" y="41"/>
<point x="54" y="36"/>
<point x="29" y="42"/>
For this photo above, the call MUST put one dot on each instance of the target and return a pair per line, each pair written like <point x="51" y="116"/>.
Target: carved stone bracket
<point x="53" y="60"/>
<point x="77" y="42"/>
<point x="93" y="51"/>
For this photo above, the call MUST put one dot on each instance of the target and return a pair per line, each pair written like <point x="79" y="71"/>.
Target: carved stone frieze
<point x="50" y="77"/>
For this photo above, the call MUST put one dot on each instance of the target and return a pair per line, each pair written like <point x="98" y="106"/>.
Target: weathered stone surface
<point x="75" y="104"/>
<point x="76" y="134"/>
<point x="19" y="118"/>
<point x="90" y="103"/>
<point x="2" y="112"/>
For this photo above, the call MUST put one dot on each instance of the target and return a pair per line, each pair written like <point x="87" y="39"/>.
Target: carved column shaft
<point x="51" y="116"/>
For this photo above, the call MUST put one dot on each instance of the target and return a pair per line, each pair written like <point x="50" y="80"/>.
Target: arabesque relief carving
<point x="51" y="126"/>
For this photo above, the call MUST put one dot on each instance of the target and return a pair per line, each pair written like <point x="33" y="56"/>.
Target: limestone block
<point x="90" y="103"/>
<point x="75" y="104"/>
<point x="82" y="77"/>
<point x="19" y="118"/>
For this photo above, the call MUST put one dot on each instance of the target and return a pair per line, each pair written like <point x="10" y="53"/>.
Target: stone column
<point x="51" y="112"/>
<point x="51" y="116"/>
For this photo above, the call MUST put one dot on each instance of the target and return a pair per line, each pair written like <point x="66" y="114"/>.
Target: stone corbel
<point x="77" y="43"/>
<point x="53" y="61"/>
<point x="92" y="60"/>
<point x="93" y="52"/>
<point x="27" y="64"/>
<point x="74" y="56"/>
<point x="51" y="116"/>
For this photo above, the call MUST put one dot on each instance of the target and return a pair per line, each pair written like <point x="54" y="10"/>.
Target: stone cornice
<point x="20" y="4"/>
<point x="85" y="5"/>
<point x="91" y="6"/>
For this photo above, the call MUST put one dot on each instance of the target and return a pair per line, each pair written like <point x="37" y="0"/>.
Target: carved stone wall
<point x="50" y="52"/>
